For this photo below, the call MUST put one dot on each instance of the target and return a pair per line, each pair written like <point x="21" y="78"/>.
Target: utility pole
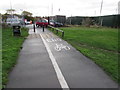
<point x="100" y="19"/>
<point x="11" y="9"/>
<point x="101" y="7"/>
<point x="95" y="12"/>
<point x="59" y="11"/>
<point x="118" y="7"/>
<point x="52" y="9"/>
<point x="117" y="11"/>
<point x="70" y="20"/>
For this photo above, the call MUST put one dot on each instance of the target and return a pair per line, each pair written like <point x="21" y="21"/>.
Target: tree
<point x="26" y="13"/>
<point x="4" y="17"/>
<point x="10" y="11"/>
<point x="29" y="18"/>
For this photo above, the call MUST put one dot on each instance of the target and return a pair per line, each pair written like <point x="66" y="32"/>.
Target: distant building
<point x="119" y="7"/>
<point x="75" y="20"/>
<point x="0" y="18"/>
<point x="59" y="18"/>
<point x="107" y="20"/>
<point x="118" y="14"/>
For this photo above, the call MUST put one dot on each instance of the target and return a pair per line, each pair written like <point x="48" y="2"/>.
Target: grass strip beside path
<point x="10" y="50"/>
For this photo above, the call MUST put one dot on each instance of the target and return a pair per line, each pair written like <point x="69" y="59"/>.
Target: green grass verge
<point x="104" y="38"/>
<point x="0" y="57"/>
<point x="10" y="50"/>
<point x="99" y="44"/>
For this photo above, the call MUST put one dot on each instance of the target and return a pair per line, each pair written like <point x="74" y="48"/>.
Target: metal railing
<point x="57" y="30"/>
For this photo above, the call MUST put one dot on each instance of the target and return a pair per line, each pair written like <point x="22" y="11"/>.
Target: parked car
<point x="13" y="22"/>
<point x="42" y="22"/>
<point x="28" y="22"/>
<point x="55" y="24"/>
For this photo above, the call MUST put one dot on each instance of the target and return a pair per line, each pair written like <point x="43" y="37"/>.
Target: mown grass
<point x="10" y="50"/>
<point x="99" y="44"/>
<point x="104" y="38"/>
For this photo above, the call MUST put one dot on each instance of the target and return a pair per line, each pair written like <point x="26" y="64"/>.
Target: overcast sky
<point x="62" y="7"/>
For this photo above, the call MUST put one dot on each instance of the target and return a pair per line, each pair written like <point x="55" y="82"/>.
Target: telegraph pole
<point x="11" y="9"/>
<point x="52" y="9"/>
<point x="100" y="20"/>
<point x="70" y="19"/>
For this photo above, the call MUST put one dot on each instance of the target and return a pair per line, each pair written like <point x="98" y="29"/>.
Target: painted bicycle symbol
<point x="61" y="46"/>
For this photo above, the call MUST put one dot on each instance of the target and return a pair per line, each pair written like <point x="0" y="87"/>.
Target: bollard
<point x="43" y="28"/>
<point x="34" y="27"/>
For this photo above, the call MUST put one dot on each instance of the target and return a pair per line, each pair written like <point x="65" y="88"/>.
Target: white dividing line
<point x="60" y="76"/>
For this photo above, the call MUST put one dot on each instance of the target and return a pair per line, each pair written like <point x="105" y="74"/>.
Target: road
<point x="47" y="61"/>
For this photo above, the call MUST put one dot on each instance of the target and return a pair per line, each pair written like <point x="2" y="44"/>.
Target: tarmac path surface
<point x="47" y="61"/>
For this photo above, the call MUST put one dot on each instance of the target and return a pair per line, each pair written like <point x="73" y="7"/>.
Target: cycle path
<point x="49" y="61"/>
<point x="78" y="70"/>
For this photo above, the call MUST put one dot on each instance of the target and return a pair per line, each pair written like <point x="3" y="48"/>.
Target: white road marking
<point x="59" y="47"/>
<point x="36" y="30"/>
<point x="30" y="31"/>
<point x="48" y="35"/>
<point x="60" y="76"/>
<point x="53" y="39"/>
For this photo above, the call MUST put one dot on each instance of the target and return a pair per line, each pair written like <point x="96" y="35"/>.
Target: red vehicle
<point x="42" y="22"/>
